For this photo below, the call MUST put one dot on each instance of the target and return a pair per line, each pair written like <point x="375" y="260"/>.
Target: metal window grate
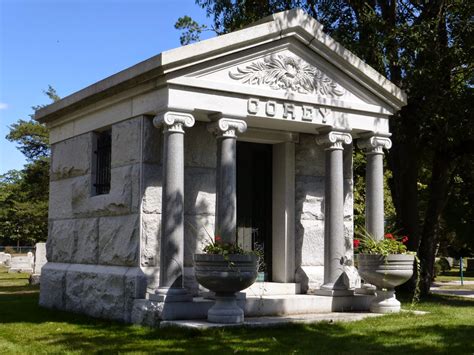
<point x="103" y="161"/>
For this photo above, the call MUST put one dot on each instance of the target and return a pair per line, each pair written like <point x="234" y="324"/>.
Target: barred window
<point x="102" y="162"/>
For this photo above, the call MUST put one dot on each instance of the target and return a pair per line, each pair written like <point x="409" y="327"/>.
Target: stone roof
<point x="294" y="23"/>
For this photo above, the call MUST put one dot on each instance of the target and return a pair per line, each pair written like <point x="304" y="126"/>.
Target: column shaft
<point x="226" y="219"/>
<point x="171" y="286"/>
<point x="374" y="206"/>
<point x="374" y="192"/>
<point x="172" y="226"/>
<point x="334" y="249"/>
<point x="335" y="284"/>
<point x="226" y="182"/>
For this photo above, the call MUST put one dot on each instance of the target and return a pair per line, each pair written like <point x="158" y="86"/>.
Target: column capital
<point x="374" y="144"/>
<point x="334" y="139"/>
<point x="172" y="121"/>
<point x="227" y="127"/>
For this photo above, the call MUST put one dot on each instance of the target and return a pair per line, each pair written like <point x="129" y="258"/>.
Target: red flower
<point x="404" y="239"/>
<point x="218" y="238"/>
<point x="389" y="236"/>
<point x="356" y="243"/>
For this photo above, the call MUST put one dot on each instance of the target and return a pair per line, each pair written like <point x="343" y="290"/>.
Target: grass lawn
<point x="453" y="275"/>
<point x="469" y="287"/>
<point x="26" y="328"/>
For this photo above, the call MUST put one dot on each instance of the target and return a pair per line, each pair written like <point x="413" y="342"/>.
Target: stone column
<point x="172" y="208"/>
<point x="226" y="130"/>
<point x="374" y="206"/>
<point x="335" y="281"/>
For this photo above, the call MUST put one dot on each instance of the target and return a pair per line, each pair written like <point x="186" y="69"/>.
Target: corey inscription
<point x="287" y="110"/>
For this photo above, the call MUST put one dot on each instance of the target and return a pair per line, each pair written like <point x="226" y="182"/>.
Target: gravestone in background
<point x="22" y="263"/>
<point x="470" y="265"/>
<point x="40" y="260"/>
<point x="5" y="259"/>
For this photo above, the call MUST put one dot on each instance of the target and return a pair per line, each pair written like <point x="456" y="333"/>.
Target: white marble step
<point x="254" y="306"/>
<point x="272" y="288"/>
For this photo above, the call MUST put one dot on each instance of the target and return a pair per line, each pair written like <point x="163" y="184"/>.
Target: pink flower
<point x="404" y="239"/>
<point x="389" y="236"/>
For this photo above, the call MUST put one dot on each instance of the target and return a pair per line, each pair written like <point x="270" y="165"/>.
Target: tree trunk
<point x="439" y="187"/>
<point x="403" y="160"/>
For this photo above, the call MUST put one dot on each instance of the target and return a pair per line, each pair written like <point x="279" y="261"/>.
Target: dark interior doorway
<point x="254" y="201"/>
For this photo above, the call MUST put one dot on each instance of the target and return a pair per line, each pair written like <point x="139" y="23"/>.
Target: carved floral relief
<point x="283" y="72"/>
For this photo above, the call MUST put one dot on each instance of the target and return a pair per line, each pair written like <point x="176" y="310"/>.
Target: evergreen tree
<point x="24" y="193"/>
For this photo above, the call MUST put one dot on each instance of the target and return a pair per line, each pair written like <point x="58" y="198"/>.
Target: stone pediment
<point x="291" y="72"/>
<point x="287" y="72"/>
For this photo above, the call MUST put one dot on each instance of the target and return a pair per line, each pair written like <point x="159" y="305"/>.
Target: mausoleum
<point x="248" y="134"/>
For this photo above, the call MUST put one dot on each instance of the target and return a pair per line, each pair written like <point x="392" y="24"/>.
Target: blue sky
<point x="71" y="44"/>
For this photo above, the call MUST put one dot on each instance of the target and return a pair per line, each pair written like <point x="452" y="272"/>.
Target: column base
<point x="328" y="290"/>
<point x="170" y="294"/>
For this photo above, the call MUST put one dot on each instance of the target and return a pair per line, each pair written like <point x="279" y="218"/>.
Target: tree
<point x="24" y="194"/>
<point x="426" y="48"/>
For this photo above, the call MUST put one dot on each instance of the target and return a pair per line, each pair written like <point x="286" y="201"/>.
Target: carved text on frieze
<point x="287" y="110"/>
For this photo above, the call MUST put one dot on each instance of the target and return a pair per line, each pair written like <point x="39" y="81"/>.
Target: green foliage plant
<point x="218" y="247"/>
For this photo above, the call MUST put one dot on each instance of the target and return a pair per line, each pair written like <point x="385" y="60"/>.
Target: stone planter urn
<point x="225" y="276"/>
<point x="385" y="272"/>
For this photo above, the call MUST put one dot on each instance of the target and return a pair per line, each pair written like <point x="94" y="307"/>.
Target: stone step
<point x="302" y="304"/>
<point x="272" y="288"/>
<point x="253" y="306"/>
<point x="262" y="322"/>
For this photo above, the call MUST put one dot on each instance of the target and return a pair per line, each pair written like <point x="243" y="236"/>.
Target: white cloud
<point x="3" y="106"/>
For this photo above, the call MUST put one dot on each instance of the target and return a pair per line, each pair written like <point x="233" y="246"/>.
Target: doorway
<point x="254" y="202"/>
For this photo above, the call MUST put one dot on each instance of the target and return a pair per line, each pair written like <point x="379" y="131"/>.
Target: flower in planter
<point x="217" y="246"/>
<point x="390" y="244"/>
<point x="356" y="243"/>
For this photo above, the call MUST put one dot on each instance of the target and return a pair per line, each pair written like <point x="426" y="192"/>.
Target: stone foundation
<point x="96" y="290"/>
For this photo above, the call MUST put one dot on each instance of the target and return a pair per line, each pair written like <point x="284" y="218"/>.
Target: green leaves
<point x="191" y="30"/>
<point x="24" y="194"/>
<point x="32" y="139"/>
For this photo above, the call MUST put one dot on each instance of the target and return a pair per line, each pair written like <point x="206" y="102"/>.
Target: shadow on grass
<point x="18" y="277"/>
<point x="447" y="300"/>
<point x="331" y="338"/>
<point x="57" y="331"/>
<point x="19" y="289"/>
